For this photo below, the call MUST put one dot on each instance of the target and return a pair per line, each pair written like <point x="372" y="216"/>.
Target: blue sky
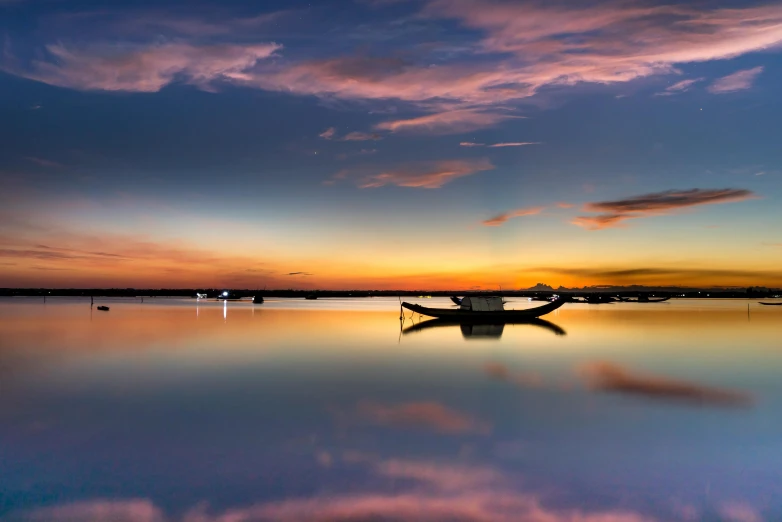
<point x="370" y="142"/>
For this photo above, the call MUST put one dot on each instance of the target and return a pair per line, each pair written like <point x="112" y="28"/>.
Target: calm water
<point x="325" y="411"/>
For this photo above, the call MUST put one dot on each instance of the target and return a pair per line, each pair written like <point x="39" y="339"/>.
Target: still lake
<point x="182" y="411"/>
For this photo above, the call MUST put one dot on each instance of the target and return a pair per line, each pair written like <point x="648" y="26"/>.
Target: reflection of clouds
<point x="610" y="377"/>
<point x="500" y="372"/>
<point x="131" y="510"/>
<point x="437" y="493"/>
<point x="738" y="512"/>
<point x="427" y="414"/>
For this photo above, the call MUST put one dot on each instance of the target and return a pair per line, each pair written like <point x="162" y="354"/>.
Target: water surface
<point x="327" y="410"/>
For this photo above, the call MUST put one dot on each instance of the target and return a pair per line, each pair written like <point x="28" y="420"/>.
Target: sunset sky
<point x="390" y="144"/>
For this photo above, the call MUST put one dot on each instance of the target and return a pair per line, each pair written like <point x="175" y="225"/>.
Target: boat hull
<point x="466" y="316"/>
<point x="771" y="304"/>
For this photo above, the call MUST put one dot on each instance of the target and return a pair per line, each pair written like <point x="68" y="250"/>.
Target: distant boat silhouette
<point x="311" y="297"/>
<point x="644" y="299"/>
<point x="103" y="308"/>
<point x="258" y="299"/>
<point x="771" y="304"/>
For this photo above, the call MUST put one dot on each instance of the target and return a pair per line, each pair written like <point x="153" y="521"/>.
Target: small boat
<point x="103" y="308"/>
<point x="456" y="300"/>
<point x="771" y="304"/>
<point x="258" y="299"/>
<point x="475" y="309"/>
<point x="200" y="296"/>
<point x="311" y="297"/>
<point x="644" y="299"/>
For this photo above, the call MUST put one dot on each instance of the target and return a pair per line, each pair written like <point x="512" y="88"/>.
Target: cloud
<point x="428" y="415"/>
<point x="563" y="204"/>
<point x="328" y="133"/>
<point x="738" y="81"/>
<point x="428" y="175"/>
<point x="499" y="145"/>
<point x="512" y="51"/>
<point x="145" y="68"/>
<point x="691" y="275"/>
<point x="299" y="274"/>
<point x="361" y="136"/>
<point x="655" y="204"/>
<point x="679" y="87"/>
<point x="331" y="134"/>
<point x="609" y="377"/>
<point x="43" y="162"/>
<point x="500" y="219"/>
<point x="515" y="144"/>
<point x="450" y="122"/>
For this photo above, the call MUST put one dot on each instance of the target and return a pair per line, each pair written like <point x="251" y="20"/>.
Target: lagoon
<point x="329" y="410"/>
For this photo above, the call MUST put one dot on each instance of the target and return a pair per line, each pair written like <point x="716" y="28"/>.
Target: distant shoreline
<point x="213" y="293"/>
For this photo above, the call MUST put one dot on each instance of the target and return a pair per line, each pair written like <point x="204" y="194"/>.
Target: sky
<point x="390" y="144"/>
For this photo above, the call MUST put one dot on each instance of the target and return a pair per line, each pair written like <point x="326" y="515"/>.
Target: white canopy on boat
<point x="482" y="304"/>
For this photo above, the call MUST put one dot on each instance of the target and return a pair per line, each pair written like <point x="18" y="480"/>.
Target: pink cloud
<point x="515" y="144"/>
<point x="471" y="144"/>
<point x="430" y="175"/>
<point x="738" y="81"/>
<point x="451" y="122"/>
<point x="328" y="133"/>
<point x="429" y="415"/>
<point x="679" y="87"/>
<point x="500" y="219"/>
<point x="361" y="136"/>
<point x="656" y="204"/>
<point x="565" y="205"/>
<point x="617" y="42"/>
<point x="145" y="68"/>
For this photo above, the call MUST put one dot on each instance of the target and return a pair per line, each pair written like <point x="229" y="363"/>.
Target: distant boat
<point x="103" y="308"/>
<point x="200" y="296"/>
<point x="311" y="297"/>
<point x="258" y="299"/>
<point x="771" y="304"/>
<point x="475" y="309"/>
<point x="644" y="299"/>
<point x="227" y="296"/>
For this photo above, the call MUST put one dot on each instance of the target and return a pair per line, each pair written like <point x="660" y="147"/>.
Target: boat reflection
<point x="477" y="330"/>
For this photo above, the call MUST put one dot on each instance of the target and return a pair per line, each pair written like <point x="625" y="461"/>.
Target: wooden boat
<point x="499" y="316"/>
<point x="103" y="308"/>
<point x="771" y="304"/>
